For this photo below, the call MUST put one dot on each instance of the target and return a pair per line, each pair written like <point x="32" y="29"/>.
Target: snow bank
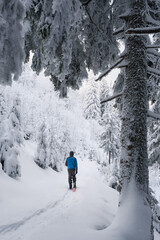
<point x="133" y="219"/>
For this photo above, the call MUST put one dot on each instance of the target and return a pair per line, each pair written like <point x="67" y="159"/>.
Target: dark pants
<point x="72" y="177"/>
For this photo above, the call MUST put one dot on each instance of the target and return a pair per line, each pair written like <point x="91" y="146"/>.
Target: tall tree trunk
<point x="134" y="158"/>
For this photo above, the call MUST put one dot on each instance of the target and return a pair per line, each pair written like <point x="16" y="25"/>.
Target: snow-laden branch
<point x="119" y="30"/>
<point x="153" y="52"/>
<point x="152" y="46"/>
<point x="153" y="115"/>
<point x="112" y="97"/>
<point x="146" y="30"/>
<point x="153" y="71"/>
<point x="114" y="65"/>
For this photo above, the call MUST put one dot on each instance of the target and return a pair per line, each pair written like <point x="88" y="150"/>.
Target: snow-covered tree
<point x="10" y="141"/>
<point x="54" y="41"/>
<point x="104" y="93"/>
<point x="2" y="121"/>
<point x="15" y="120"/>
<point x="41" y="157"/>
<point x="110" y="137"/>
<point x="55" y="157"/>
<point x="154" y="97"/>
<point x="11" y="40"/>
<point x="154" y="134"/>
<point x="92" y="101"/>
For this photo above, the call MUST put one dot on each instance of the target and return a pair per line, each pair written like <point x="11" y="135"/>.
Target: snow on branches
<point x="11" y="40"/>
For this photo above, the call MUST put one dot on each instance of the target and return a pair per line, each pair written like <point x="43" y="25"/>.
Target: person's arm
<point x="66" y="163"/>
<point x="76" y="165"/>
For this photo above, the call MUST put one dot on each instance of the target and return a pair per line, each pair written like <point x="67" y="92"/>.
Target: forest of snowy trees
<point x="76" y="44"/>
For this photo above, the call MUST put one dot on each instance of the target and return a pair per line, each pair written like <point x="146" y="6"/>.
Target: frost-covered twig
<point x="146" y="30"/>
<point x="153" y="71"/>
<point x="112" y="97"/>
<point x="153" y="115"/>
<point x="114" y="65"/>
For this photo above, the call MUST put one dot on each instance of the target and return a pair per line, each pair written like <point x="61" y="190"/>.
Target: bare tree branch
<point x="147" y="30"/>
<point x="151" y="114"/>
<point x="112" y="97"/>
<point x="114" y="65"/>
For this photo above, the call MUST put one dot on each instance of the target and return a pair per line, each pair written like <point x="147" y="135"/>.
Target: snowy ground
<point x="39" y="206"/>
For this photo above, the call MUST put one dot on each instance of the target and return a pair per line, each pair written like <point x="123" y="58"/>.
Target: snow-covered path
<point x="39" y="206"/>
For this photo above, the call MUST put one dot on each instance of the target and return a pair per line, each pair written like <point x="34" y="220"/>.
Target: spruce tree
<point x="110" y="137"/>
<point x="92" y="101"/>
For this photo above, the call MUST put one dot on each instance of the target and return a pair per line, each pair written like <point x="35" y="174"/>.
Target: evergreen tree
<point x="54" y="41"/>
<point x="104" y="93"/>
<point x="154" y="134"/>
<point x="41" y="157"/>
<point x="110" y="137"/>
<point x="92" y="101"/>
<point x="54" y="152"/>
<point x="62" y="30"/>
<point x="154" y="97"/>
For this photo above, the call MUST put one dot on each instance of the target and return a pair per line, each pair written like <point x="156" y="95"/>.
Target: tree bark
<point x="134" y="158"/>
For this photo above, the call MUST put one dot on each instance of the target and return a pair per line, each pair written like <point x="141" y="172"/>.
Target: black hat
<point x="71" y="153"/>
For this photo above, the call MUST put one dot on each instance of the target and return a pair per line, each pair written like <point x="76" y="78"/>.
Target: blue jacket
<point x="71" y="163"/>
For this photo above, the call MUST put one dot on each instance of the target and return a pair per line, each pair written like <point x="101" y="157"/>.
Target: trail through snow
<point x="40" y="206"/>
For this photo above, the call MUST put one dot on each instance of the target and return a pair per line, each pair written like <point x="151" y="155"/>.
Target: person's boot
<point x="70" y="186"/>
<point x="74" y="185"/>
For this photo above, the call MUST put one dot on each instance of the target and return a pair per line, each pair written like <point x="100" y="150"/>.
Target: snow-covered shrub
<point x="10" y="141"/>
<point x="9" y="157"/>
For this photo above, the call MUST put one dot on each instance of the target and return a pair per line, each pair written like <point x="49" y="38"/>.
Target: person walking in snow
<point x="71" y="163"/>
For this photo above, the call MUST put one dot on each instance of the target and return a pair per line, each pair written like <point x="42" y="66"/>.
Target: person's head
<point x="71" y="153"/>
